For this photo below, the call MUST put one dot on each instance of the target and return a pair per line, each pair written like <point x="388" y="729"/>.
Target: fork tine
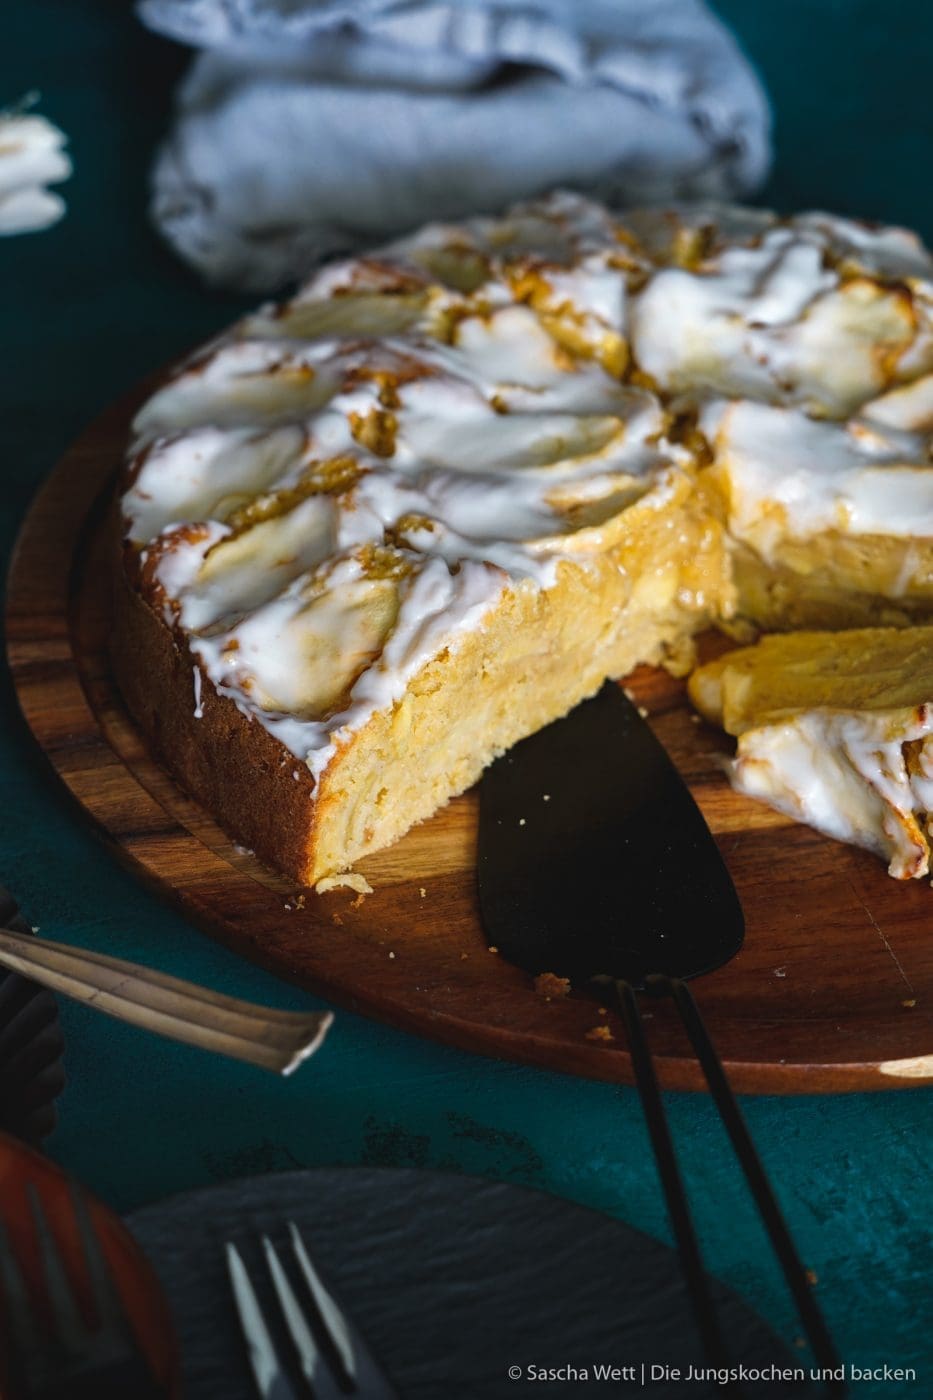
<point x="71" y="1332"/>
<point x="333" y="1319"/>
<point x="26" y="1337"/>
<point x="307" y="1348"/>
<point x="111" y="1316"/>
<point x="271" y="1381"/>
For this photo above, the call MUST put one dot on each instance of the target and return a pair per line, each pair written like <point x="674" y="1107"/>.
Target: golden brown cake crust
<point x="258" y="792"/>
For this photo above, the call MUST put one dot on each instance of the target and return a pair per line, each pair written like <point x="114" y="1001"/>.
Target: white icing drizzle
<point x="341" y="487"/>
<point x="845" y="773"/>
<point x="790" y="476"/>
<point x="909" y="406"/>
<point x="198" y="707"/>
<point x="816" y="310"/>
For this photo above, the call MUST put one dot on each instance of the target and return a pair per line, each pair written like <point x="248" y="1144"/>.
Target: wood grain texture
<point x="832" y="990"/>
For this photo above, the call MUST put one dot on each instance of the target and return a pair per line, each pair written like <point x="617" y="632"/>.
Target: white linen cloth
<point x="31" y="157"/>
<point x="312" y="127"/>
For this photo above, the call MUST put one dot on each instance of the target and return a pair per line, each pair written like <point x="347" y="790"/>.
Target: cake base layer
<point x="835" y="582"/>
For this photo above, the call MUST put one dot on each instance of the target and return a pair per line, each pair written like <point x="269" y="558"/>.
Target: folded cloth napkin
<point x="31" y="157"/>
<point x="313" y="127"/>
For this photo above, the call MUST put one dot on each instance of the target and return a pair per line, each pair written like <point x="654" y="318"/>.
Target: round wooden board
<point x="832" y="990"/>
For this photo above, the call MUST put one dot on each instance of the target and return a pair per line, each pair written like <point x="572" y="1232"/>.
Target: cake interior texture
<point x="835" y="729"/>
<point x="374" y="535"/>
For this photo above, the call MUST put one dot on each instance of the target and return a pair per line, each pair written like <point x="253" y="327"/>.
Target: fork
<point x="70" y="1360"/>
<point x="331" y="1358"/>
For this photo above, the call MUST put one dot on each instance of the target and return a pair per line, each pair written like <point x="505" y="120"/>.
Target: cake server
<point x="595" y="863"/>
<point x="274" y="1040"/>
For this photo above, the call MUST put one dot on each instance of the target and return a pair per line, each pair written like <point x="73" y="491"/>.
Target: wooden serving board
<point x="832" y="991"/>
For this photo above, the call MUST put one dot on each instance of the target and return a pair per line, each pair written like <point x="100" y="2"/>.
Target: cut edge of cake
<point x="834" y="729"/>
<point x="536" y="654"/>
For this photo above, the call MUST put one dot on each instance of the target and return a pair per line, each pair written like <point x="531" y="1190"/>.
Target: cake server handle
<point x="275" y="1040"/>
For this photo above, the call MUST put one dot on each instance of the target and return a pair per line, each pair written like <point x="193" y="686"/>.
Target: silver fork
<point x="70" y="1360"/>
<point x="331" y="1358"/>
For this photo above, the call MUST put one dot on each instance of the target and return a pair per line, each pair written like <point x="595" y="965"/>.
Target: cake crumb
<point x="422" y="891"/>
<point x="348" y="880"/>
<point x="336" y="919"/>
<point x="549" y="985"/>
<point x="600" y="1033"/>
<point x="696" y="719"/>
<point x="909" y="1002"/>
<point x="521" y="821"/>
<point x="602" y="1010"/>
<point x="628" y="693"/>
<point x="545" y="797"/>
<point x="391" y="955"/>
<point x="812" y="1277"/>
<point x="643" y="712"/>
<point x="492" y="949"/>
<point x="464" y="956"/>
<point x="780" y="972"/>
<point x="358" y="902"/>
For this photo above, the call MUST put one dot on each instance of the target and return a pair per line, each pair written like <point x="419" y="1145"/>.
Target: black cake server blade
<point x="595" y="863"/>
<point x="594" y="859"/>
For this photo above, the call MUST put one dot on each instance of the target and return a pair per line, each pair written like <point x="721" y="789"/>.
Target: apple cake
<point x="376" y="534"/>
<point x="835" y="729"/>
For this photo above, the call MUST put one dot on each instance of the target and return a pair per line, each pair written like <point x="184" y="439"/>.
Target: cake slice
<point x="836" y="730"/>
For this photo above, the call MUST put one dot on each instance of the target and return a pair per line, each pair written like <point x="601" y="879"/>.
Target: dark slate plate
<point x="453" y="1280"/>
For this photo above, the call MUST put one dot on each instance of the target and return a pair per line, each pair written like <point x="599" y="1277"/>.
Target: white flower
<point x="31" y="157"/>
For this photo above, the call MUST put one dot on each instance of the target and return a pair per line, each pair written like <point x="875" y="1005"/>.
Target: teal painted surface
<point x="849" y="82"/>
<point x="89" y="307"/>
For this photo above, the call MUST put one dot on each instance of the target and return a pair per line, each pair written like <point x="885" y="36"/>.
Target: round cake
<point x="374" y="535"/>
